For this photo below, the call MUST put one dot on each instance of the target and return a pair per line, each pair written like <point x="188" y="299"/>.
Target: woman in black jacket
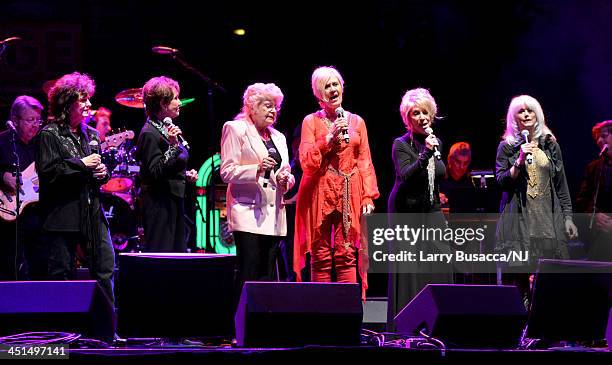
<point x="536" y="208"/>
<point x="416" y="190"/>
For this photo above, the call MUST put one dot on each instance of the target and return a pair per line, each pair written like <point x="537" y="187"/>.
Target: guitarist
<point x="31" y="253"/>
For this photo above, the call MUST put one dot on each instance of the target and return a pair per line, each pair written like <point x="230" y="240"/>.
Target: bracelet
<point x="517" y="164"/>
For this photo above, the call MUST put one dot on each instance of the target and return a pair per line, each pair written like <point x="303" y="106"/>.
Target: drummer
<point x="101" y="119"/>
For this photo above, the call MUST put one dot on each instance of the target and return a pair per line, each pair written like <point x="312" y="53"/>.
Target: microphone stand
<point x="17" y="173"/>
<point x="211" y="86"/>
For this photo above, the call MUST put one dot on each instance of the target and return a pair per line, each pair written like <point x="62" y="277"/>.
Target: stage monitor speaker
<point x="56" y="306"/>
<point x="466" y="316"/>
<point x="272" y="314"/>
<point x="571" y="301"/>
<point x="609" y="331"/>
<point x="175" y="295"/>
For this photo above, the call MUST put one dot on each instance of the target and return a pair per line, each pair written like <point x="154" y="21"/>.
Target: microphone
<point x="10" y="39"/>
<point x="437" y="153"/>
<point x="525" y="134"/>
<point x="164" y="50"/>
<point x="340" y="114"/>
<point x="168" y="122"/>
<point x="11" y="126"/>
<point x="603" y="152"/>
<point x="274" y="154"/>
<point x="94" y="146"/>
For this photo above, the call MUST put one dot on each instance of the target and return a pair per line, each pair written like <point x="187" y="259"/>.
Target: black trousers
<point x="163" y="222"/>
<point x="255" y="256"/>
<point x="62" y="257"/>
<point x="286" y="246"/>
<point x="31" y="256"/>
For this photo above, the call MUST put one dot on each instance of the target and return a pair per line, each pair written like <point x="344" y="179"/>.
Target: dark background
<point x="473" y="56"/>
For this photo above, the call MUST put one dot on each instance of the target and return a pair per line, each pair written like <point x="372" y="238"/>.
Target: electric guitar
<point x="114" y="140"/>
<point x="28" y="194"/>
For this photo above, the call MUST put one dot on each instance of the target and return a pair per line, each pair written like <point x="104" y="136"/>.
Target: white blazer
<point x="251" y="207"/>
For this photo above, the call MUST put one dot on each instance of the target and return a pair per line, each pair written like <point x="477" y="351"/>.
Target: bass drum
<point x="122" y="222"/>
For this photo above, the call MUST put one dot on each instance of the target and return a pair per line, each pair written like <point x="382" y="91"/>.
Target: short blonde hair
<point x="320" y="76"/>
<point x="256" y="93"/>
<point x="417" y="97"/>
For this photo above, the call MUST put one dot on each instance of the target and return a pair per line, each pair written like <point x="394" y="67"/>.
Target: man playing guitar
<point x="25" y="258"/>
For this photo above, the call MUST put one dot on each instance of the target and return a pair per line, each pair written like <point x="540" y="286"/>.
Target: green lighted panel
<point x="209" y="225"/>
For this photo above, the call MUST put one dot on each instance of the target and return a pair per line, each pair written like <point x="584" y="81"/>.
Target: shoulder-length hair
<point x="512" y="134"/>
<point x="68" y="89"/>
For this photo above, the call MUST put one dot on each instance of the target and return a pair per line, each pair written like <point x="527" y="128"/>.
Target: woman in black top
<point x="416" y="190"/>
<point x="536" y="208"/>
<point x="163" y="163"/>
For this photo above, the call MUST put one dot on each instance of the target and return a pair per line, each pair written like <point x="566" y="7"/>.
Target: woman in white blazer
<point x="255" y="165"/>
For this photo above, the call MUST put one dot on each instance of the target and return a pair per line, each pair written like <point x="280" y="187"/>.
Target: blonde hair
<point x="417" y="97"/>
<point x="255" y="94"/>
<point x="319" y="78"/>
<point x="512" y="133"/>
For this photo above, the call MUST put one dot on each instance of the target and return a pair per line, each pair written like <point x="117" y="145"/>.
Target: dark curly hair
<point x="157" y="91"/>
<point x="68" y="89"/>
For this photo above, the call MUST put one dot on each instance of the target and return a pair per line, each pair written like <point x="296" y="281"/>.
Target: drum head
<point x="122" y="222"/>
<point x="118" y="184"/>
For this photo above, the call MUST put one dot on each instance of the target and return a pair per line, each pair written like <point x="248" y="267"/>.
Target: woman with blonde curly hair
<point x="255" y="165"/>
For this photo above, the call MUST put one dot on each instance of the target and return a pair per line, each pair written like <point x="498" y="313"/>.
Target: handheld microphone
<point x="168" y="122"/>
<point x="603" y="152"/>
<point x="274" y="154"/>
<point x="525" y="134"/>
<point x="164" y="50"/>
<point x="437" y="153"/>
<point x="11" y="126"/>
<point x="94" y="146"/>
<point x="340" y="114"/>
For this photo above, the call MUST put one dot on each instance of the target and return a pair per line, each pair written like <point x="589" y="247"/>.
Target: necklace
<point x="328" y="123"/>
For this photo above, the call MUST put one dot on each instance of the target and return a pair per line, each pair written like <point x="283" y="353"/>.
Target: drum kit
<point x="119" y="194"/>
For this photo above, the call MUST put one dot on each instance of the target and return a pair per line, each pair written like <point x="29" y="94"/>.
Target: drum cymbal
<point x="131" y="98"/>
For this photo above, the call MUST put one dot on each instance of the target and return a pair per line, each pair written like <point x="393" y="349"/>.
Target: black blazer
<point x="69" y="194"/>
<point x="410" y="192"/>
<point x="162" y="166"/>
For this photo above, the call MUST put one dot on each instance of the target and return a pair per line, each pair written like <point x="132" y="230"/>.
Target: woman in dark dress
<point x="416" y="190"/>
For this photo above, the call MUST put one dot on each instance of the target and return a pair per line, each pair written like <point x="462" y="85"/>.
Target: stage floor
<point x="365" y="354"/>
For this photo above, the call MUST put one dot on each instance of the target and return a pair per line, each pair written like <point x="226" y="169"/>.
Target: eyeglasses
<point x="32" y="121"/>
